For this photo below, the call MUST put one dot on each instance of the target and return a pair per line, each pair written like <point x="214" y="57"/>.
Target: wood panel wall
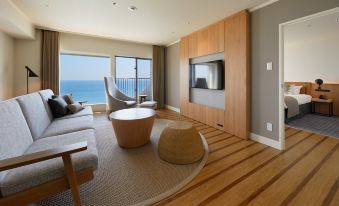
<point x="231" y="36"/>
<point x="237" y="75"/>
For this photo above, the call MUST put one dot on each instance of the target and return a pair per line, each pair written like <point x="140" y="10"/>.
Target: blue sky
<point x="76" y="67"/>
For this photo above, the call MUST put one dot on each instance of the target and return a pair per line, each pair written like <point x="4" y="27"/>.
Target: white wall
<point x="27" y="53"/>
<point x="310" y="59"/>
<point x="6" y="66"/>
<point x="79" y="44"/>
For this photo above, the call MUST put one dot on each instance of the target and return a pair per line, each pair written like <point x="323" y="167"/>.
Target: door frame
<point x="282" y="26"/>
<point x="136" y="71"/>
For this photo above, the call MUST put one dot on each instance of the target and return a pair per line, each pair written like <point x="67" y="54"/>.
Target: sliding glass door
<point x="133" y="76"/>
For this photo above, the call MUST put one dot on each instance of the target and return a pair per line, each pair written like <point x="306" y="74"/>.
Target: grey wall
<point x="265" y="48"/>
<point x="6" y="66"/>
<point x="27" y="52"/>
<point x="172" y="76"/>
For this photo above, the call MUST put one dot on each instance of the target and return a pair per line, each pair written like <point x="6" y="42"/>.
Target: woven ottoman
<point x="180" y="143"/>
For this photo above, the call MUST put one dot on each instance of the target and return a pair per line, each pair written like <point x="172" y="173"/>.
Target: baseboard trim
<point x="172" y="108"/>
<point x="267" y="141"/>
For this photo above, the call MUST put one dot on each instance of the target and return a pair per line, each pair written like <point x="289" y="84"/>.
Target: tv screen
<point x="207" y="75"/>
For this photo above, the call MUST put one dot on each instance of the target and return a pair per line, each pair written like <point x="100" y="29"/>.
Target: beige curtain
<point x="159" y="75"/>
<point x="50" y="61"/>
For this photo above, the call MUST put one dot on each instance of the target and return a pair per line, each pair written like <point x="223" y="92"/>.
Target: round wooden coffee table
<point x="133" y="127"/>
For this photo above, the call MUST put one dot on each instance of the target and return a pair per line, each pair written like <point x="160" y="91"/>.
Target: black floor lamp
<point x="30" y="73"/>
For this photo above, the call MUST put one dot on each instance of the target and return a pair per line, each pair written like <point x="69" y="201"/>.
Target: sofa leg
<point x="72" y="179"/>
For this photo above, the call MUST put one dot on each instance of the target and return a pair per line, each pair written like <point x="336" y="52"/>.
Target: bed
<point x="297" y="105"/>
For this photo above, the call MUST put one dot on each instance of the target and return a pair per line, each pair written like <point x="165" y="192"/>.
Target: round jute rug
<point x="130" y="177"/>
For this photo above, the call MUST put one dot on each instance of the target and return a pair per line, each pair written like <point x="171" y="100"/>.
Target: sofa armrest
<point x="27" y="159"/>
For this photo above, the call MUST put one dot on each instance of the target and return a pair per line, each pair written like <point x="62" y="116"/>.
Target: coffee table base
<point x="133" y="133"/>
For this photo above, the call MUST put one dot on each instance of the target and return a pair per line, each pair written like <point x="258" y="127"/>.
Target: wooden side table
<point x="133" y="127"/>
<point x="142" y="98"/>
<point x="329" y="102"/>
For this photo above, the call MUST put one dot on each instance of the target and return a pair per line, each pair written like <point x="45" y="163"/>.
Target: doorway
<point x="307" y="84"/>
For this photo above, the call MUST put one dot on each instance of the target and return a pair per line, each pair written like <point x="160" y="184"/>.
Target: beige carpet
<point x="130" y="177"/>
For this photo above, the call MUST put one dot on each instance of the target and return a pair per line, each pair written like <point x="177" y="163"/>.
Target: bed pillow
<point x="295" y="90"/>
<point x="287" y="88"/>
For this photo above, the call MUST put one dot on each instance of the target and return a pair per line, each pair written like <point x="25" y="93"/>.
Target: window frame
<point x="136" y="70"/>
<point x="86" y="55"/>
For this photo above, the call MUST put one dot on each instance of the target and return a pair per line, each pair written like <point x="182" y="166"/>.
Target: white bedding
<point x="301" y="98"/>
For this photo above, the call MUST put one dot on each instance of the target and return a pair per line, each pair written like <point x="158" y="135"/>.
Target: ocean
<point x="93" y="91"/>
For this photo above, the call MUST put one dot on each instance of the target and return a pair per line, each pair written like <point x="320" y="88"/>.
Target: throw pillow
<point x="67" y="97"/>
<point x="58" y="106"/>
<point x="75" y="107"/>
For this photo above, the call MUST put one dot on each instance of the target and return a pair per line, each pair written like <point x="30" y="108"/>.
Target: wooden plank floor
<point x="240" y="172"/>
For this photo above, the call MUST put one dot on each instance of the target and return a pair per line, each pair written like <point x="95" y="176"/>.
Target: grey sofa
<point x="27" y="126"/>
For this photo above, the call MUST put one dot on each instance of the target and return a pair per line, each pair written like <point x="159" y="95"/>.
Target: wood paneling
<point x="203" y="42"/>
<point x="232" y="36"/>
<point x="216" y="38"/>
<point x="197" y="112"/>
<point x="215" y="117"/>
<point x="237" y="75"/>
<point x="206" y="41"/>
<point x="241" y="172"/>
<point x="184" y="75"/>
<point x="193" y="45"/>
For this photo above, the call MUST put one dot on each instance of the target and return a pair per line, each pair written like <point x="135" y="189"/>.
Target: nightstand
<point x="329" y="102"/>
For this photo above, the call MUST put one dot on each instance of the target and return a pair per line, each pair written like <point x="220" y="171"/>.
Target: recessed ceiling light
<point x="132" y="8"/>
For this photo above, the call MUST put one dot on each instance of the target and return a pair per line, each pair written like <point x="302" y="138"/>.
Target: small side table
<point x="142" y="98"/>
<point x="329" y="102"/>
<point x="82" y="102"/>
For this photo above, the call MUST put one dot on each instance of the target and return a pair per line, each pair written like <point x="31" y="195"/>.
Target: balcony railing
<point x="128" y="86"/>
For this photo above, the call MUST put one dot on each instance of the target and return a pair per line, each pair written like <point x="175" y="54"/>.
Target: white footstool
<point x="149" y="104"/>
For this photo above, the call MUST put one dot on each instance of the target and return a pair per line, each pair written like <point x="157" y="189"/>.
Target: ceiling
<point x="315" y="29"/>
<point x="160" y="22"/>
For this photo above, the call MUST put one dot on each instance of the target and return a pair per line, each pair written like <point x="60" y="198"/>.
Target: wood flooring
<point x="240" y="172"/>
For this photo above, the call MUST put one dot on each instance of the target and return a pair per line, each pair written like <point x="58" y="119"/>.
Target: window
<point x="82" y="76"/>
<point x="133" y="76"/>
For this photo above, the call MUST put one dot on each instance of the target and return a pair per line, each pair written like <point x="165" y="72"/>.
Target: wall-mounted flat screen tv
<point x="207" y="75"/>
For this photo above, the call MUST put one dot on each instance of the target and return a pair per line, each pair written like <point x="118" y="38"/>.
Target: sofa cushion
<point x="150" y="104"/>
<point x="28" y="176"/>
<point x="35" y="113"/>
<point x="15" y="136"/>
<point x="64" y="126"/>
<point x="58" y="106"/>
<point x="45" y="95"/>
<point x="130" y="103"/>
<point x="86" y="111"/>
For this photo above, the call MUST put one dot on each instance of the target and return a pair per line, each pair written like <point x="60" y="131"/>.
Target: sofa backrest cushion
<point x="45" y="95"/>
<point x="35" y="113"/>
<point x="15" y="136"/>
